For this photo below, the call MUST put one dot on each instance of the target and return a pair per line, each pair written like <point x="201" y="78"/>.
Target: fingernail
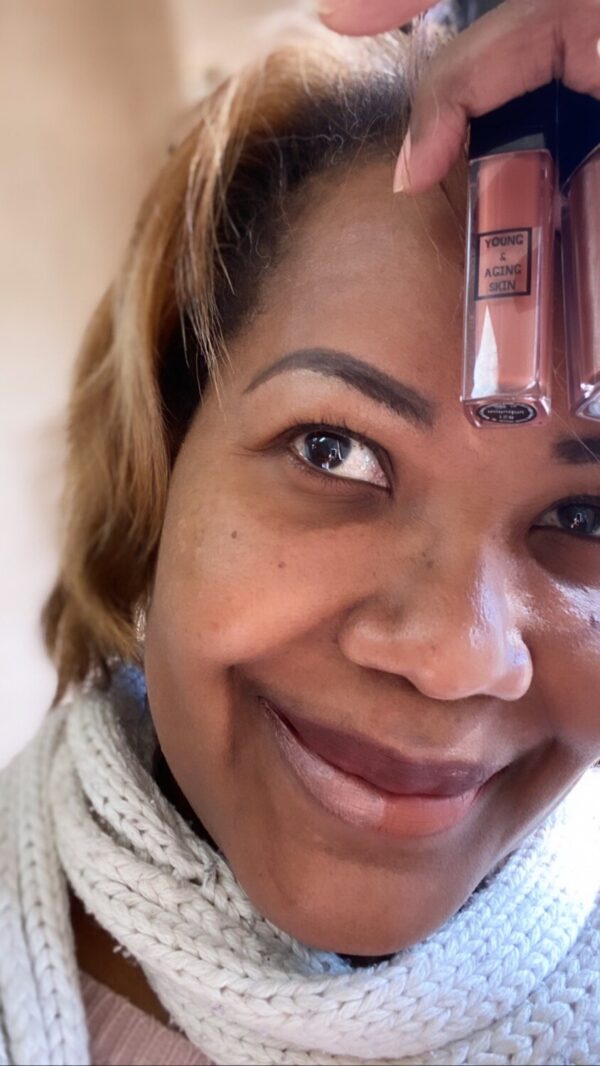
<point x="402" y="172"/>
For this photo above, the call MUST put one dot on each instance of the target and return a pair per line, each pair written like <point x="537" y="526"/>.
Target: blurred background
<point x="91" y="92"/>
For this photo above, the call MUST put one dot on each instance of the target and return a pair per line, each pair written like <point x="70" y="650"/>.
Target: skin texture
<point x="435" y="617"/>
<point x="518" y="46"/>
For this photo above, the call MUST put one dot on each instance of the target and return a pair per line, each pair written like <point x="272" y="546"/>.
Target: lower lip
<point x="361" y="804"/>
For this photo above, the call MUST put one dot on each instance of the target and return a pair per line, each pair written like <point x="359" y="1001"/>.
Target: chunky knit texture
<point x="513" y="978"/>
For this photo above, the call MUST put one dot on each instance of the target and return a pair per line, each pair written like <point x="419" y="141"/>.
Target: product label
<point x="503" y="265"/>
<point x="507" y="413"/>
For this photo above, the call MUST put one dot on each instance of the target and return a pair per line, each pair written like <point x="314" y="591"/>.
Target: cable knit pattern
<point x="513" y="978"/>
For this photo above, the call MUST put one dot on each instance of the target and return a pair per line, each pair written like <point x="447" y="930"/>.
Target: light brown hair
<point x="210" y="228"/>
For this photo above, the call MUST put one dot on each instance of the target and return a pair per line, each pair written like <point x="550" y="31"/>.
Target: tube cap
<point x="529" y="122"/>
<point x="579" y="130"/>
<point x="474" y="9"/>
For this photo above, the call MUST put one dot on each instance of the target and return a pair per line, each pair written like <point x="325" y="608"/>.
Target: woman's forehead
<point x="355" y="229"/>
<point x="368" y="266"/>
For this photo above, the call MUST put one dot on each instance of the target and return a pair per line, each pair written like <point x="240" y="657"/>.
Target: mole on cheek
<point x="233" y="534"/>
<point x="281" y="565"/>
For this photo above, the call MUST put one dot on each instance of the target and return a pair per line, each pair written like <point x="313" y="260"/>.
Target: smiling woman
<point x="326" y="777"/>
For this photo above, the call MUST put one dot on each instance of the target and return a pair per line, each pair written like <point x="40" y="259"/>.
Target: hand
<point x="513" y="49"/>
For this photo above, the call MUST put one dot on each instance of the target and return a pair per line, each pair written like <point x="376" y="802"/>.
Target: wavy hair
<point x="213" y="224"/>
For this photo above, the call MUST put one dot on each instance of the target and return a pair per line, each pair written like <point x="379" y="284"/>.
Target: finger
<point x="427" y="161"/>
<point x="355" y="17"/>
<point x="512" y="50"/>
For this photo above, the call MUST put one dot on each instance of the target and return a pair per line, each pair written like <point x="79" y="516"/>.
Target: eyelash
<point x="589" y="502"/>
<point x="341" y="428"/>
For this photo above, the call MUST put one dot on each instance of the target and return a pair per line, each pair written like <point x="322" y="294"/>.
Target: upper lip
<point x="382" y="766"/>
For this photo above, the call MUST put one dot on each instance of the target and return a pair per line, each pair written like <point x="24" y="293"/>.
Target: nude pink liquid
<point x="581" y="280"/>
<point x="507" y="363"/>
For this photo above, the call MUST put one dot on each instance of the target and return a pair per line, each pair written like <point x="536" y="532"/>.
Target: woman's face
<point x="344" y="552"/>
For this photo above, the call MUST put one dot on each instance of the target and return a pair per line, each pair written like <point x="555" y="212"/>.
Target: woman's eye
<point x="340" y="456"/>
<point x="581" y="519"/>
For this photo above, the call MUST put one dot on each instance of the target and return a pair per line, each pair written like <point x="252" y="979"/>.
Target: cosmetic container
<point x="579" y="161"/>
<point x="509" y="270"/>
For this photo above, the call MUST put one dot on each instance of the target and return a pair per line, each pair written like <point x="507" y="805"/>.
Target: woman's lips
<point x="369" y="786"/>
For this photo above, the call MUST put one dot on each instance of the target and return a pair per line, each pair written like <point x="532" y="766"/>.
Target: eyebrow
<point x="577" y="450"/>
<point x="375" y="384"/>
<point x="399" y="398"/>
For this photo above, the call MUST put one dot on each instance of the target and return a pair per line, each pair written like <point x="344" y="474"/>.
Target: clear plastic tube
<point x="581" y="281"/>
<point x="508" y="312"/>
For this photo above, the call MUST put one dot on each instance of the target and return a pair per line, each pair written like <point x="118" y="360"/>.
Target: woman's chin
<point x="361" y="915"/>
<point x="356" y="934"/>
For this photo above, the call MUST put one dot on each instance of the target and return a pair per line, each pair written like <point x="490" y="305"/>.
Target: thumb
<point x="357" y="18"/>
<point x="510" y="51"/>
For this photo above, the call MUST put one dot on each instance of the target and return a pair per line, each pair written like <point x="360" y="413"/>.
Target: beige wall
<point x="89" y="94"/>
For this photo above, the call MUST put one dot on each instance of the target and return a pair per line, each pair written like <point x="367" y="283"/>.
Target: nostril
<point x="436" y="688"/>
<point x="454" y="672"/>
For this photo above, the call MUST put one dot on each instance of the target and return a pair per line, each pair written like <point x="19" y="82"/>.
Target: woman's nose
<point x="452" y="634"/>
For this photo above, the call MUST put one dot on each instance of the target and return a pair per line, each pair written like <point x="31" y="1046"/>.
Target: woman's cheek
<point x="567" y="666"/>
<point x="234" y="587"/>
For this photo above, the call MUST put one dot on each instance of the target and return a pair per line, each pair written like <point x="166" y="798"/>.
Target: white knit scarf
<point x="514" y="977"/>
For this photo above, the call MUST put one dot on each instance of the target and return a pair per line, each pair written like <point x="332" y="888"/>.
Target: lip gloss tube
<point x="579" y="160"/>
<point x="510" y="248"/>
